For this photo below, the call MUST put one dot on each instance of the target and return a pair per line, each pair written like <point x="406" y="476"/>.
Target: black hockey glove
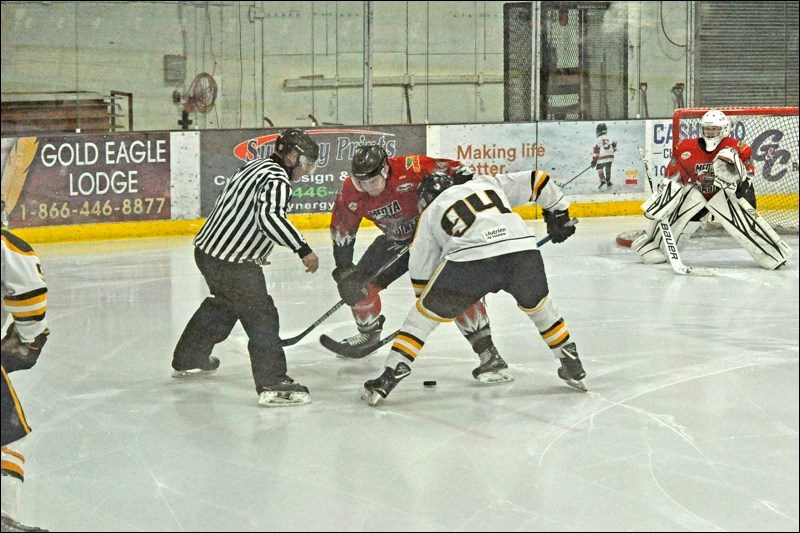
<point x="462" y="175"/>
<point x="557" y="227"/>
<point x="593" y="163"/>
<point x="19" y="355"/>
<point x="745" y="190"/>
<point x="352" y="284"/>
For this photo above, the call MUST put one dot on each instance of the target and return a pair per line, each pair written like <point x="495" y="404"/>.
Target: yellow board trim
<point x="173" y="228"/>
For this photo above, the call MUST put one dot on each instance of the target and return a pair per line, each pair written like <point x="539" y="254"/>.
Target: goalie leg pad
<point x="650" y="246"/>
<point x="664" y="201"/>
<point x="750" y="229"/>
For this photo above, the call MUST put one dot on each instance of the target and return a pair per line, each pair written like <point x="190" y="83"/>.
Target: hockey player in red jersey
<point x="710" y="174"/>
<point x="383" y="189"/>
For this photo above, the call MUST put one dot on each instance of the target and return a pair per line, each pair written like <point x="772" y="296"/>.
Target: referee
<point x="248" y="220"/>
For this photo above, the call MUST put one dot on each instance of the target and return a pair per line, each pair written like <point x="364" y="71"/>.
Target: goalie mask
<point x="714" y="126"/>
<point x="431" y="186"/>
<point x="370" y="169"/>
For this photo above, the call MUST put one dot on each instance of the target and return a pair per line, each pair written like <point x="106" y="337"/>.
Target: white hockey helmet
<point x="714" y="126"/>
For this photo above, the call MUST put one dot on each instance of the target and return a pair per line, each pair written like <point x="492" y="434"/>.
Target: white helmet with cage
<point x="714" y="126"/>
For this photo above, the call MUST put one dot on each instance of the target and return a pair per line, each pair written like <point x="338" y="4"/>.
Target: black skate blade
<point x="342" y="350"/>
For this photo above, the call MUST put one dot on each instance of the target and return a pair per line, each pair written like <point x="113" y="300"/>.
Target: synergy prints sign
<point x="222" y="153"/>
<point x="52" y="181"/>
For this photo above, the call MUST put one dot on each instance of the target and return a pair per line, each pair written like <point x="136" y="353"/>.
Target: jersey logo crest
<point x="412" y="162"/>
<point x="387" y="210"/>
<point x="686" y="155"/>
<point x="405" y="187"/>
<point x="352" y="206"/>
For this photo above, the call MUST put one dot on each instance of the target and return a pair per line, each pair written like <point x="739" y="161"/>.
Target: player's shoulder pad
<point x="687" y="143"/>
<point x="16" y="243"/>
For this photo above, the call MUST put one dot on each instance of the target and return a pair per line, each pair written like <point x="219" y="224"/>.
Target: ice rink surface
<point x="690" y="422"/>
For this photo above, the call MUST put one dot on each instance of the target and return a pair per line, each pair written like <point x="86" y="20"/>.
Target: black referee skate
<point x="361" y="345"/>
<point x="377" y="389"/>
<point x="7" y="524"/>
<point x="493" y="369"/>
<point x="202" y="371"/>
<point x="285" y="393"/>
<point x="571" y="370"/>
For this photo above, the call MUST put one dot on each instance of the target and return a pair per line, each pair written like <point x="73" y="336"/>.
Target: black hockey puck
<point x="429" y="383"/>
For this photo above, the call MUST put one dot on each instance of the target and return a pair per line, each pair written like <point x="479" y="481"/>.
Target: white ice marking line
<point x="672" y="427"/>
<point x="771" y="506"/>
<point x="620" y="402"/>
<point x="670" y="498"/>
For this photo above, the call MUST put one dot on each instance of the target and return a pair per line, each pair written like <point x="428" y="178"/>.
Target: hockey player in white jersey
<point x="470" y="243"/>
<point x="25" y="299"/>
<point x="603" y="155"/>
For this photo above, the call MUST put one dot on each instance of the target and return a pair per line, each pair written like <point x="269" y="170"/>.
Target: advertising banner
<point x="565" y="150"/>
<point x="223" y="152"/>
<point x="82" y="179"/>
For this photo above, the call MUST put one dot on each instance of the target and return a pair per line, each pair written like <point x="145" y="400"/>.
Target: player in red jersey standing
<point x="383" y="189"/>
<point x="710" y="174"/>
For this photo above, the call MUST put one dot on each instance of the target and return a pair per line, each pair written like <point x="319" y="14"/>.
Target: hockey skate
<point x="361" y="345"/>
<point x="12" y="525"/>
<point x="202" y="371"/>
<point x="377" y="389"/>
<point x="571" y="370"/>
<point x="493" y="369"/>
<point x="285" y="393"/>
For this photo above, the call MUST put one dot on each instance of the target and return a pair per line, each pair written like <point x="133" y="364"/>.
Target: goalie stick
<point x="350" y="352"/>
<point x="669" y="241"/>
<point x="294" y="340"/>
<point x="675" y="257"/>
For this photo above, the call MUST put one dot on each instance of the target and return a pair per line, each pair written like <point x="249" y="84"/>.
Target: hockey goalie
<point x="711" y="174"/>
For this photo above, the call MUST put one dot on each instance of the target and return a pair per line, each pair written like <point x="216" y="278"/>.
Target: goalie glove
<point x="728" y="169"/>
<point x="351" y="283"/>
<point x="557" y="227"/>
<point x="18" y="354"/>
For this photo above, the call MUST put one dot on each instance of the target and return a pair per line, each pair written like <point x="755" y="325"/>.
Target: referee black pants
<point x="238" y="292"/>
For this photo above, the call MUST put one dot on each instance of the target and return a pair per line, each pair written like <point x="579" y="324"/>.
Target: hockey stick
<point x="294" y="340"/>
<point x="675" y="257"/>
<point x="671" y="244"/>
<point x="574" y="177"/>
<point x="360" y="353"/>
<point x="646" y="166"/>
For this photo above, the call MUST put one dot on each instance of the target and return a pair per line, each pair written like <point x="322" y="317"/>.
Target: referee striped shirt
<point x="249" y="217"/>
